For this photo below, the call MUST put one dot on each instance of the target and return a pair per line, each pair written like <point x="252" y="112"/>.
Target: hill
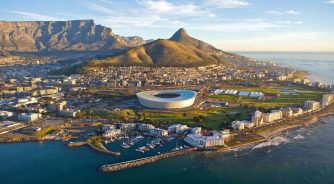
<point x="61" y="36"/>
<point x="180" y="50"/>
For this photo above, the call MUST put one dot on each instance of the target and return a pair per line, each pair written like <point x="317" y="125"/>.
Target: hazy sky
<point x="264" y="25"/>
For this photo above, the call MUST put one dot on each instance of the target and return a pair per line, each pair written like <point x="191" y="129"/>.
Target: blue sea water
<point x="320" y="65"/>
<point x="302" y="156"/>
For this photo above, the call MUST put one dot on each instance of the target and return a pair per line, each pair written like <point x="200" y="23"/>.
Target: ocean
<point x="304" y="155"/>
<point x="320" y="65"/>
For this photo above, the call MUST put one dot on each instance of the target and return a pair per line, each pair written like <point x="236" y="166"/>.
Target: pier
<point x="142" y="161"/>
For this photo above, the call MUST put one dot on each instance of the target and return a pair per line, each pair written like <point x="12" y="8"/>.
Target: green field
<point x="117" y="114"/>
<point x="287" y="97"/>
<point x="210" y="119"/>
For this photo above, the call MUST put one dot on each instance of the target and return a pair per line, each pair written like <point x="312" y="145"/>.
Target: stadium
<point x="167" y="99"/>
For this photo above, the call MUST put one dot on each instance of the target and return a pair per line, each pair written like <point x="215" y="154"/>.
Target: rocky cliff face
<point x="50" y="36"/>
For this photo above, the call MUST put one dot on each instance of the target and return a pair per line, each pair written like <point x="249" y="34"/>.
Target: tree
<point x="196" y="119"/>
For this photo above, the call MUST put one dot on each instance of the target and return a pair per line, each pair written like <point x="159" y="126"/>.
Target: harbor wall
<point x="143" y="161"/>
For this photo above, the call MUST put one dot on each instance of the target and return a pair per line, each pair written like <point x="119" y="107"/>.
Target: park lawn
<point x="233" y="98"/>
<point x="46" y="131"/>
<point x="294" y="98"/>
<point x="213" y="119"/>
<point x="126" y="114"/>
<point x="102" y="114"/>
<point x="263" y="89"/>
<point x="291" y="99"/>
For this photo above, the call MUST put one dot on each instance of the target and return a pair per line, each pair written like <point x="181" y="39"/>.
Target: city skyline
<point x="232" y="25"/>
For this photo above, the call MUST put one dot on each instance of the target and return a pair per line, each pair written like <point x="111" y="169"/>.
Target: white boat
<point x="151" y="146"/>
<point x="142" y="149"/>
<point x="139" y="137"/>
<point x="139" y="150"/>
<point x="124" y="145"/>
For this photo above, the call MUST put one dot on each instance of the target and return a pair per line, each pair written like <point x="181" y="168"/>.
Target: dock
<point x="143" y="161"/>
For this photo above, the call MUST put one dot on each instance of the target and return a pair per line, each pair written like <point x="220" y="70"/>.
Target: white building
<point x="327" y="99"/>
<point x="197" y="140"/>
<point x="256" y="94"/>
<point x="243" y="93"/>
<point x="231" y="92"/>
<point x="257" y="118"/>
<point x="178" y="128"/>
<point x="71" y="113"/>
<point x="287" y="113"/>
<point x="145" y="127"/>
<point x="128" y="126"/>
<point x="53" y="106"/>
<point x="108" y="127"/>
<point x="157" y="132"/>
<point x="297" y="112"/>
<point x="6" y="114"/>
<point x="196" y="130"/>
<point x="237" y="125"/>
<point x="26" y="101"/>
<point x="225" y="133"/>
<point x="272" y="116"/>
<point x="311" y="105"/>
<point x="240" y="125"/>
<point x="282" y="78"/>
<point x="29" y="117"/>
<point x="167" y="99"/>
<point x="112" y="133"/>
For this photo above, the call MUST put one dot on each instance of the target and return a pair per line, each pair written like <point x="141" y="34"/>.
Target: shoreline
<point x="296" y="124"/>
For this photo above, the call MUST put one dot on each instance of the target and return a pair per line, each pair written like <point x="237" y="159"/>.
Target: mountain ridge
<point x="61" y="36"/>
<point x="180" y="50"/>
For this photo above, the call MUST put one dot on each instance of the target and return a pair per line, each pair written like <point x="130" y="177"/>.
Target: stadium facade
<point x="167" y="99"/>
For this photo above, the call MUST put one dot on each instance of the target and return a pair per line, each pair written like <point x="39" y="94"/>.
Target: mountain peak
<point x="180" y="34"/>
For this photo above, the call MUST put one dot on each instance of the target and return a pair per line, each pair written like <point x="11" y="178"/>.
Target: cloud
<point x="288" y="12"/>
<point x="330" y="2"/>
<point x="249" y="25"/>
<point x="130" y="21"/>
<point x="287" y="22"/>
<point x="303" y="41"/>
<point x="33" y="16"/>
<point x="147" y="13"/>
<point x="108" y="2"/>
<point x="227" y="3"/>
<point x="99" y="8"/>
<point x="166" y="7"/>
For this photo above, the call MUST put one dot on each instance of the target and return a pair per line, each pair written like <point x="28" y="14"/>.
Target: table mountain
<point x="58" y="36"/>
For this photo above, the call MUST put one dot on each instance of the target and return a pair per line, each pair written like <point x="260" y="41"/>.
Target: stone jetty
<point x="143" y="161"/>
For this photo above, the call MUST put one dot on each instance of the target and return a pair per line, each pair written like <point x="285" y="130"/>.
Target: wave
<point x="298" y="137"/>
<point x="274" y="142"/>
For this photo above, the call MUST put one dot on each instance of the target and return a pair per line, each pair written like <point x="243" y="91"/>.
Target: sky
<point x="231" y="25"/>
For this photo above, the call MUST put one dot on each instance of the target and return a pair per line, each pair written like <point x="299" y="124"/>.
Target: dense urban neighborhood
<point x="232" y="105"/>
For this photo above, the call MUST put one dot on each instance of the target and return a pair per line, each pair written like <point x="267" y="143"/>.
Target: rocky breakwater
<point x="142" y="161"/>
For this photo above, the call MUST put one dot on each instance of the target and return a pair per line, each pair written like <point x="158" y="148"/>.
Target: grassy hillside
<point x="180" y="50"/>
<point x="159" y="52"/>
